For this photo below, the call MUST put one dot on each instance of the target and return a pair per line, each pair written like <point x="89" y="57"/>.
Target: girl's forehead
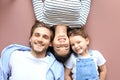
<point x="76" y="36"/>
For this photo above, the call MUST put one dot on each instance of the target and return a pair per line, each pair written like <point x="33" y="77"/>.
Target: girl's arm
<point x="102" y="72"/>
<point x="67" y="74"/>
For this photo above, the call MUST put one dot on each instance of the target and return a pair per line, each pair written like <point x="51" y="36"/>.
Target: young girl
<point x="84" y="63"/>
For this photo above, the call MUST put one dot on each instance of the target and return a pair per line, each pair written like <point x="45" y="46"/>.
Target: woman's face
<point x="61" y="44"/>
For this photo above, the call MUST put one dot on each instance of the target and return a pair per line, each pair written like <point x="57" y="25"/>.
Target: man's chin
<point x="37" y="50"/>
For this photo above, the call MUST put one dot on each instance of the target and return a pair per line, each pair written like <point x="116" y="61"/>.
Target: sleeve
<point x="70" y="62"/>
<point x="100" y="59"/>
<point x="57" y="70"/>
<point x="62" y="74"/>
<point x="5" y="57"/>
<point x="84" y="11"/>
<point x="37" y="7"/>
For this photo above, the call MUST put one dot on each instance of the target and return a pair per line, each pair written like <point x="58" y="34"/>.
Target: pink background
<point x="103" y="25"/>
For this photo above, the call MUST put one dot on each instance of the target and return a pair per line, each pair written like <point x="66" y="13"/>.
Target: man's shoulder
<point x="54" y="61"/>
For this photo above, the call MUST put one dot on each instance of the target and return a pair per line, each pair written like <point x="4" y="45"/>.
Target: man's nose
<point x="40" y="39"/>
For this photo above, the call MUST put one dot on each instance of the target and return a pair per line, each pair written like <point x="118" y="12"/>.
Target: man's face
<point x="40" y="40"/>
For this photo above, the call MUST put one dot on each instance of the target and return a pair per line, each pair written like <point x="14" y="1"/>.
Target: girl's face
<point x="79" y="44"/>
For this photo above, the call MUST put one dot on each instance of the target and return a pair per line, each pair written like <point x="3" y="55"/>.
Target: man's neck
<point x="38" y="55"/>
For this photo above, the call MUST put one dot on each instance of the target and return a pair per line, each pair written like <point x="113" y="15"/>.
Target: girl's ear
<point x="87" y="40"/>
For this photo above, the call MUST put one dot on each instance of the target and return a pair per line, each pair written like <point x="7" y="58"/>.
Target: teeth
<point x="62" y="39"/>
<point x="39" y="44"/>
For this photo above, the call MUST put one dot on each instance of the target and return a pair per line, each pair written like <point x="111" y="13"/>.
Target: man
<point x="35" y="63"/>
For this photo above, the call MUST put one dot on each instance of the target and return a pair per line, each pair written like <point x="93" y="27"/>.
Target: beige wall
<point x="16" y="19"/>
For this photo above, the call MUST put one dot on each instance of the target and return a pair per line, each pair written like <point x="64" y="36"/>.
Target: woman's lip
<point x="61" y="39"/>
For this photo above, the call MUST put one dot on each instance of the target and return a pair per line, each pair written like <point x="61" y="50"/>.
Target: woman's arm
<point x="84" y="11"/>
<point x="37" y="7"/>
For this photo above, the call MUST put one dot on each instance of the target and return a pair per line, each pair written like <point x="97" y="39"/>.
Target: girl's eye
<point x="57" y="46"/>
<point x="72" y="44"/>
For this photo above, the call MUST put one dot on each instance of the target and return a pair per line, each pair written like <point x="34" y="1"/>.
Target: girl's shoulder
<point x="94" y="52"/>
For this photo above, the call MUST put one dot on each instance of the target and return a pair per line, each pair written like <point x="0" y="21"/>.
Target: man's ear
<point x="29" y="40"/>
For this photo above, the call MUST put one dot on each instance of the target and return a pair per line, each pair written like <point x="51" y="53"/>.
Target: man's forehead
<point x="42" y="30"/>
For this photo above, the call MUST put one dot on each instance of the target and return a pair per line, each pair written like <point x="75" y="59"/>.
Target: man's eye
<point x="37" y="34"/>
<point x="46" y="37"/>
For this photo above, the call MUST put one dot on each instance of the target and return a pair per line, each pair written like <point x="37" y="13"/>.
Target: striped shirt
<point x="73" y="13"/>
